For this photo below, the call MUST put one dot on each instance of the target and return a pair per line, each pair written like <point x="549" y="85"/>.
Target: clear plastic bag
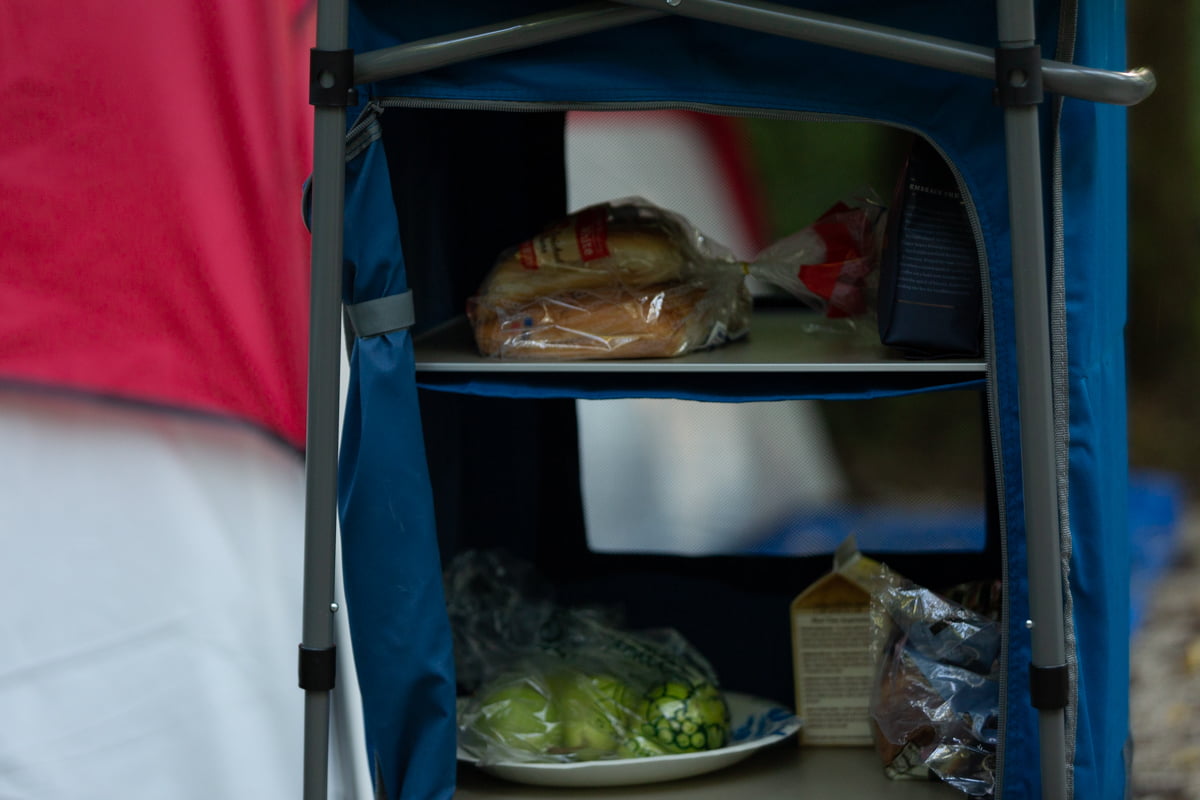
<point x="557" y="684"/>
<point x="498" y="606"/>
<point x="935" y="702"/>
<point x="831" y="264"/>
<point x="628" y="279"/>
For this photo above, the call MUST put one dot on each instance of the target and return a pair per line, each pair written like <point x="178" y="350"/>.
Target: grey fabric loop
<point x="382" y="315"/>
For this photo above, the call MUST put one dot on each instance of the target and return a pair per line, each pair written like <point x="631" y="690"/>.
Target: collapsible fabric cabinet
<point x="1051" y="229"/>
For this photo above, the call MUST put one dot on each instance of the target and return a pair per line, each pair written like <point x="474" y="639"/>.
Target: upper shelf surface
<point x="780" y="341"/>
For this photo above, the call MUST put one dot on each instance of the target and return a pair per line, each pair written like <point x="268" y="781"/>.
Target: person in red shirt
<point x="153" y="342"/>
<point x="153" y="246"/>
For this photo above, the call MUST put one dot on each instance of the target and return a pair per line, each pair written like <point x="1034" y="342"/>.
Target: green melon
<point x="685" y="718"/>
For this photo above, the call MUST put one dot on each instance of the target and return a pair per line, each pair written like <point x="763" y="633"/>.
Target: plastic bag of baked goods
<point x="628" y="279"/>
<point x="557" y="685"/>
<point x="935" y="703"/>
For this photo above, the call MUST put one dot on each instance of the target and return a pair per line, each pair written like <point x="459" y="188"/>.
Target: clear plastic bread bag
<point x="553" y="684"/>
<point x="628" y="279"/>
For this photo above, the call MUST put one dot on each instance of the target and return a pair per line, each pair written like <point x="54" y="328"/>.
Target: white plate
<point x="757" y="723"/>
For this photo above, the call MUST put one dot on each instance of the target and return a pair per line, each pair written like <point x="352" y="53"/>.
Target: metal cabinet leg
<point x="1019" y="90"/>
<point x="328" y="203"/>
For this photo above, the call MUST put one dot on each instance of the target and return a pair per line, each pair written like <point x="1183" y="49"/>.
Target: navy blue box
<point x="930" y="299"/>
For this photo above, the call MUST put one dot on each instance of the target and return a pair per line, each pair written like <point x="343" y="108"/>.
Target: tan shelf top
<point x="779" y="342"/>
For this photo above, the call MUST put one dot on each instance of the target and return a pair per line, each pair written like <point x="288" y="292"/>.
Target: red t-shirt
<point x="152" y="157"/>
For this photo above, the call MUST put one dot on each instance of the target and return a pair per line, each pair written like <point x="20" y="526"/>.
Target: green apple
<point x="518" y="714"/>
<point x="595" y="712"/>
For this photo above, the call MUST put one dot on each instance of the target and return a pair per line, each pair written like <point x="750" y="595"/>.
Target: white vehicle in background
<point x="677" y="476"/>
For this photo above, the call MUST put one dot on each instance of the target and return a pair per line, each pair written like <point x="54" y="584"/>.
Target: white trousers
<point x="150" y="581"/>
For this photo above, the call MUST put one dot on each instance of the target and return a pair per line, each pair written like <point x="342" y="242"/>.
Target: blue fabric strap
<point x="382" y="315"/>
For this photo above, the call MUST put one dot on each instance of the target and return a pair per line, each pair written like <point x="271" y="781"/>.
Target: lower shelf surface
<point x="781" y="771"/>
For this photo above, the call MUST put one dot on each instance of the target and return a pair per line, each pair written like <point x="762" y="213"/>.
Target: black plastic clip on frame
<point x="1049" y="687"/>
<point x="318" y="668"/>
<point x="1019" y="76"/>
<point x="331" y="78"/>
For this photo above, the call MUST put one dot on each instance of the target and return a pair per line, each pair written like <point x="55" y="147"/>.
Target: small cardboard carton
<point x="831" y="652"/>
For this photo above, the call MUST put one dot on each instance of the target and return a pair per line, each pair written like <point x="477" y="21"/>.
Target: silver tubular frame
<point x="324" y="367"/>
<point x="1035" y="386"/>
<point x="1031" y="308"/>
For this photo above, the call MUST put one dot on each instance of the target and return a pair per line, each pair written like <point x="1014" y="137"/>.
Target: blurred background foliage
<point x="1163" y="334"/>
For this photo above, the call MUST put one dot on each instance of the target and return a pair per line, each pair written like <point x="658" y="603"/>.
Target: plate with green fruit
<point x="578" y="729"/>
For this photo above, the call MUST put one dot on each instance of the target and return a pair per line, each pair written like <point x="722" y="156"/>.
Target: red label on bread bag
<point x="591" y="233"/>
<point x="527" y="255"/>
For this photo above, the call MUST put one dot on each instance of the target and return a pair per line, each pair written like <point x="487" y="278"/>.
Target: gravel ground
<point x="1165" y="686"/>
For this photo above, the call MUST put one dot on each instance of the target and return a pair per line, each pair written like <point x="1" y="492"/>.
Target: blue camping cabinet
<point x="415" y="130"/>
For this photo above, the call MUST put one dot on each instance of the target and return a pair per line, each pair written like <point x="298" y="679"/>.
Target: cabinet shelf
<point x="783" y="770"/>
<point x="780" y="358"/>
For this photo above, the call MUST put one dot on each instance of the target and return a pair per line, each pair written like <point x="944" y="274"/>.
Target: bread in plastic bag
<point x="628" y="279"/>
<point x="555" y="684"/>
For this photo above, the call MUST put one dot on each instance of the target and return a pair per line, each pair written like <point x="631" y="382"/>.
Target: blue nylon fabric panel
<point x="973" y="139"/>
<point x="1019" y="764"/>
<point x="1096" y="247"/>
<point x="678" y="60"/>
<point x="403" y="650"/>
<point x="517" y="390"/>
<point x="662" y="63"/>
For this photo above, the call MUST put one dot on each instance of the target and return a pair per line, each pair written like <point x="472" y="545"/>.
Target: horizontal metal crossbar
<point x="500" y="37"/>
<point x="1102" y="86"/>
<point x="1087" y="83"/>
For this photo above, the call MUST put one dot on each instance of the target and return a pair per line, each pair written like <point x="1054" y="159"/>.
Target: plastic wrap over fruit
<point x="574" y="686"/>
<point x="628" y="279"/>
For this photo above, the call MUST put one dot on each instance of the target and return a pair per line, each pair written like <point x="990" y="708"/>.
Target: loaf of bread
<point x="611" y="281"/>
<point x="610" y="322"/>
<point x="554" y="261"/>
